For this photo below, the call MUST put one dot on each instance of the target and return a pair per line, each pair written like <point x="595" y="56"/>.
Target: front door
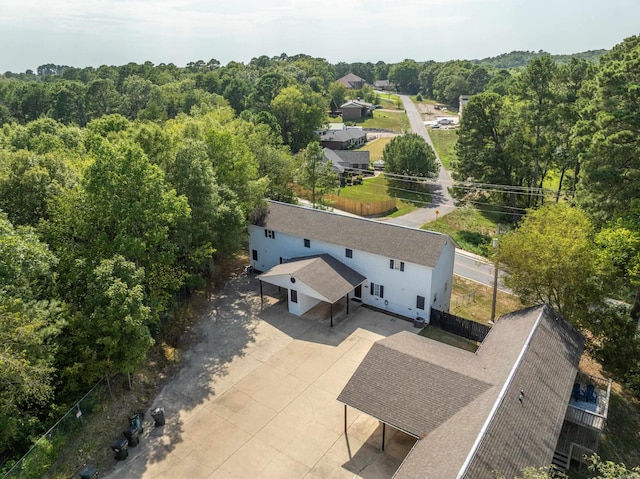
<point x="357" y="293"/>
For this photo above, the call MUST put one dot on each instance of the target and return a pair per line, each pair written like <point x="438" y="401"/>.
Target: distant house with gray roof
<point x="382" y="85"/>
<point x="343" y="139"/>
<point x="346" y="162"/>
<point x="401" y="270"/>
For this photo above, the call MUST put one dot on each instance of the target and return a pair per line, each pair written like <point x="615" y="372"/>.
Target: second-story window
<point x="399" y="265"/>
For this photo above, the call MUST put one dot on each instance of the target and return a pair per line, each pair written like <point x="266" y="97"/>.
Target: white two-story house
<point x="322" y="256"/>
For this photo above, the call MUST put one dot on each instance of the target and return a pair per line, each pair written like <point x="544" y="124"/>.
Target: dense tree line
<point x="562" y="145"/>
<point x="102" y="230"/>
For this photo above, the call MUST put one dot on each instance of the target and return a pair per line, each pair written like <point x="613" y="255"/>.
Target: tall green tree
<point x="300" y="112"/>
<point x="535" y="87"/>
<point x="550" y="257"/>
<point x="405" y="75"/>
<point x="609" y="134"/>
<point x="316" y="174"/>
<point x="409" y="155"/>
<point x="216" y="223"/>
<point x="29" y="325"/>
<point x="29" y="181"/>
<point x="110" y="334"/>
<point x="123" y="206"/>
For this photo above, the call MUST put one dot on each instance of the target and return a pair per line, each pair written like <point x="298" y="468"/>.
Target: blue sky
<point x="114" y="32"/>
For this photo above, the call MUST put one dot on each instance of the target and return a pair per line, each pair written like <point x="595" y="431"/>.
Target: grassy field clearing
<point x="444" y="142"/>
<point x="375" y="148"/>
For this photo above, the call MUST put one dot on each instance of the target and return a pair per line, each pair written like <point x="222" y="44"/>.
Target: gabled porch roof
<point x="323" y="274"/>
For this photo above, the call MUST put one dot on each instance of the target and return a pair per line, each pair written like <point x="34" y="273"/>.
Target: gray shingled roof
<point x="532" y="350"/>
<point x="351" y="157"/>
<point x="322" y="273"/>
<point x="524" y="433"/>
<point x="342" y="135"/>
<point x="390" y="386"/>
<point x="392" y="241"/>
<point x="341" y="159"/>
<point x="359" y="103"/>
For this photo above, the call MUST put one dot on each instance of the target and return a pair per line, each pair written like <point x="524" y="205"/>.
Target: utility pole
<point x="495" y="279"/>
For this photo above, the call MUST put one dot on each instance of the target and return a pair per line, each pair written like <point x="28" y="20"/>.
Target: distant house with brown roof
<point x="352" y="81"/>
<point x="492" y="413"/>
<point x="356" y="109"/>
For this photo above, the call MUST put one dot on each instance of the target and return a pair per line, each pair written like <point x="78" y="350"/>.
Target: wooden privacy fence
<point x="460" y="326"/>
<point x="360" y="208"/>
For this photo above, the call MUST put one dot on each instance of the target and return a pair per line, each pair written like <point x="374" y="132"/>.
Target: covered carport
<point x="400" y="384"/>
<point x="311" y="280"/>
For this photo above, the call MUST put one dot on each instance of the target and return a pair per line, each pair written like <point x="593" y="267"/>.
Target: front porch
<point x="330" y="313"/>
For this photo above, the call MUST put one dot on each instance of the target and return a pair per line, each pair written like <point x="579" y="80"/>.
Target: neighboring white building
<point x="323" y="256"/>
<point x="462" y="102"/>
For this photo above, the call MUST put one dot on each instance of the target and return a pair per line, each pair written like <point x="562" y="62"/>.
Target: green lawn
<point x="375" y="148"/>
<point x="388" y="120"/>
<point x="375" y="189"/>
<point x="470" y="227"/>
<point x="390" y="104"/>
<point x="444" y="142"/>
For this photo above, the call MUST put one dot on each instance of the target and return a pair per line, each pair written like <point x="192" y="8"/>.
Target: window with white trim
<point x="420" y="302"/>
<point x="307" y="243"/>
<point x="377" y="290"/>
<point x="294" y="296"/>
<point x="399" y="265"/>
<point x="254" y="254"/>
<point x="348" y="253"/>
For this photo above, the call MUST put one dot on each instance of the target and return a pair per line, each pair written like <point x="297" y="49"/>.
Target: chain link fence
<point x="41" y="457"/>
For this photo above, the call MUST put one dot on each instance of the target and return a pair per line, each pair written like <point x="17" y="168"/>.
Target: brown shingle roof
<point x="323" y="273"/>
<point x="392" y="241"/>
<point x="532" y="350"/>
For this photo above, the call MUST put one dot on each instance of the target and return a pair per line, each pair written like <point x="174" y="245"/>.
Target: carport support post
<point x="347" y="303"/>
<point x="345" y="419"/>
<point x="384" y="426"/>
<point x="261" y="297"/>
<point x="331" y="313"/>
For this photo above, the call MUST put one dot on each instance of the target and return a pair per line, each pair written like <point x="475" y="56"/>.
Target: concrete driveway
<point x="256" y="398"/>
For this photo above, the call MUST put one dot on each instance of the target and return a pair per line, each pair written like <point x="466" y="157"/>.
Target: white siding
<point x="304" y="304"/>
<point x="442" y="280"/>
<point x="401" y="288"/>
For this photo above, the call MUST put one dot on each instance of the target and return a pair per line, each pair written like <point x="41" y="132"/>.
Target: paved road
<point x="467" y="265"/>
<point x="441" y="200"/>
<point x="476" y="268"/>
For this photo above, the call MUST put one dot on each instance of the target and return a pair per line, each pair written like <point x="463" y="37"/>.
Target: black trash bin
<point x="120" y="449"/>
<point x="158" y="416"/>
<point x="136" y="421"/>
<point x="133" y="436"/>
<point x="89" y="472"/>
